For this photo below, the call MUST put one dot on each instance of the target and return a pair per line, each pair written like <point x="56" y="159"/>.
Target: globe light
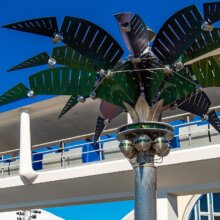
<point x="57" y="38"/>
<point x="179" y="65"/>
<point x="206" y="26"/>
<point x="109" y="74"/>
<point x="166" y="152"/>
<point x="167" y="70"/>
<point x="93" y="95"/>
<point x="52" y="62"/>
<point x="80" y="99"/>
<point x="142" y="142"/>
<point x="102" y="73"/>
<point x="127" y="148"/>
<point x="161" y="146"/>
<point x="30" y="94"/>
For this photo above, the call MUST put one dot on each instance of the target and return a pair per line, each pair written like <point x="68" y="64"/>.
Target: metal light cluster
<point x="127" y="148"/>
<point x="161" y="146"/>
<point x="142" y="142"/>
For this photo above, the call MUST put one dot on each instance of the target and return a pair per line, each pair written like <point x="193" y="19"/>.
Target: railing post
<point x="100" y="152"/>
<point x="62" y="150"/>
<point x="189" y="132"/>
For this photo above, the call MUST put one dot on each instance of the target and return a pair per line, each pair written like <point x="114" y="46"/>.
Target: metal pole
<point x="145" y="174"/>
<point x="141" y="151"/>
<point x="145" y="192"/>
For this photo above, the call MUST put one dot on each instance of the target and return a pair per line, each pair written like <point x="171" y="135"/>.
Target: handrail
<point x="75" y="146"/>
<point x="90" y="135"/>
<point x="100" y="149"/>
<point x="186" y="114"/>
<point x="76" y="138"/>
<point x="63" y="160"/>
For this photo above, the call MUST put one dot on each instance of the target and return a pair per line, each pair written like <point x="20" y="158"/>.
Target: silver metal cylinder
<point x="145" y="192"/>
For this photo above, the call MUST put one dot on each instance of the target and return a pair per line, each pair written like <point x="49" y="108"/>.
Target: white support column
<point x="26" y="172"/>
<point x="167" y="207"/>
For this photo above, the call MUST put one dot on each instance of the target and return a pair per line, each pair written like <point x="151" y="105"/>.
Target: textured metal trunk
<point x="145" y="192"/>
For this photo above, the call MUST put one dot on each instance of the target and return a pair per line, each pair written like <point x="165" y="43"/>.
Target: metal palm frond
<point x="142" y="112"/>
<point x="185" y="56"/>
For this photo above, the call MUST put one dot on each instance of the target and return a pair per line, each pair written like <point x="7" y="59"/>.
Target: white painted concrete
<point x="187" y="208"/>
<point x="167" y="207"/>
<point x="183" y="202"/>
<point x="26" y="172"/>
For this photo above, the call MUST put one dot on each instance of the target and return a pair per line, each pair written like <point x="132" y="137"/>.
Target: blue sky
<point x="17" y="46"/>
<point x="103" y="211"/>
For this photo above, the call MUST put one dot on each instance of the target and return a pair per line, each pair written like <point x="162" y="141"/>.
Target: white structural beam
<point x="26" y="172"/>
<point x="167" y="207"/>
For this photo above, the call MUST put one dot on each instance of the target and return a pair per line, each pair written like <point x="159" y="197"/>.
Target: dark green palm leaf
<point x="205" y="43"/>
<point x="16" y="93"/>
<point x="176" y="87"/>
<point x="63" y="81"/>
<point x="207" y="71"/>
<point x="38" y="60"/>
<point x="123" y="87"/>
<point x="69" y="105"/>
<point x="91" y="41"/>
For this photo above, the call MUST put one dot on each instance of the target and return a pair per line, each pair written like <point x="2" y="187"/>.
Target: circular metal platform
<point x="152" y="129"/>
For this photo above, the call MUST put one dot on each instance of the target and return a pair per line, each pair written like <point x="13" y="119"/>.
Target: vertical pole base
<point x="145" y="192"/>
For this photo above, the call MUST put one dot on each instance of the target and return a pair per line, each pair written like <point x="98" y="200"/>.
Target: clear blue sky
<point x="17" y="46"/>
